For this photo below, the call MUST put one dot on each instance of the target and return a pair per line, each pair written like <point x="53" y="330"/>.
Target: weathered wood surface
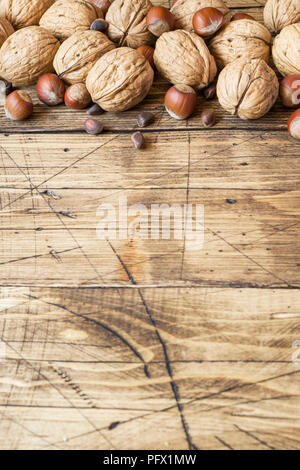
<point x="144" y="344"/>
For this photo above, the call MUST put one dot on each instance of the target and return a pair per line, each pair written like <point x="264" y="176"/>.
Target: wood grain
<point x="146" y="344"/>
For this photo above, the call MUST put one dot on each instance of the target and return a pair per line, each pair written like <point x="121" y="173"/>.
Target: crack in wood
<point x="169" y="369"/>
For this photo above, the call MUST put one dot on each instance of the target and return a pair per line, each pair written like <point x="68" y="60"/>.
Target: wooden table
<point x="144" y="344"/>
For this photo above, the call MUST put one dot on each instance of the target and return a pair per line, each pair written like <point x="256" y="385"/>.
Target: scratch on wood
<point x="62" y="373"/>
<point x="254" y="437"/>
<point x="102" y="325"/>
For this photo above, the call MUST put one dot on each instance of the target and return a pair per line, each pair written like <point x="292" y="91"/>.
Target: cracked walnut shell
<point x="281" y="13"/>
<point x="247" y="88"/>
<point x="183" y="57"/>
<point x="120" y="79"/>
<point x="243" y="38"/>
<point x="23" y="13"/>
<point x="184" y="10"/>
<point x="6" y="30"/>
<point x="67" y="17"/>
<point x="127" y="23"/>
<point x="77" y="55"/>
<point x="27" y="54"/>
<point x="286" y="50"/>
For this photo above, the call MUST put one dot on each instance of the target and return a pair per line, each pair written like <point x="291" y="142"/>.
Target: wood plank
<point x="230" y="351"/>
<point x="252" y="241"/>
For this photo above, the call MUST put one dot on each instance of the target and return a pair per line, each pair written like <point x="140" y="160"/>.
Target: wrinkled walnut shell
<point x="239" y="39"/>
<point x="27" y="54"/>
<point x="281" y="13"/>
<point x="286" y="50"/>
<point x="120" y="79"/>
<point x="184" y="10"/>
<point x="6" y="30"/>
<point x="183" y="57"/>
<point x="127" y="23"/>
<point x="67" y="17"/>
<point x="247" y="88"/>
<point x="23" y="13"/>
<point x="77" y="55"/>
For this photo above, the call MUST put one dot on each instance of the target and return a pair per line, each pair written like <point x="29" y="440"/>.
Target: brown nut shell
<point x="6" y="30"/>
<point x="239" y="39"/>
<point x="77" y="55"/>
<point x="67" y="17"/>
<point x="127" y="23"/>
<point x="183" y="57"/>
<point x="27" y="54"/>
<point x="247" y="88"/>
<point x="184" y="10"/>
<point x="23" y="13"/>
<point x="286" y="50"/>
<point x="281" y="13"/>
<point x="120" y="79"/>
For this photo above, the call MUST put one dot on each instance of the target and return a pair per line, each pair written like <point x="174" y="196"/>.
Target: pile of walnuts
<point x="108" y="50"/>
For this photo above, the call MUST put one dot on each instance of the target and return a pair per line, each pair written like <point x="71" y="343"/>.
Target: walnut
<point x="77" y="55"/>
<point x="184" y="10"/>
<point x="6" y="30"/>
<point x="281" y="13"/>
<point x="286" y="50"/>
<point x="127" y="23"/>
<point x="120" y="79"/>
<point x="27" y="54"/>
<point x="247" y="88"/>
<point x="243" y="38"/>
<point x="22" y="13"/>
<point x="67" y="17"/>
<point x="183" y="57"/>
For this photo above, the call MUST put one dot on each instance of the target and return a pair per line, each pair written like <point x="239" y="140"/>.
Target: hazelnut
<point x="286" y="50"/>
<point x="138" y="140"/>
<point x="23" y="13"/>
<point x="95" y="110"/>
<point x="99" y="25"/>
<point x="239" y="39"/>
<point x="209" y="92"/>
<point x="127" y="23"/>
<point x="147" y="52"/>
<point x="145" y="118"/>
<point x="27" y="54"/>
<point x="242" y="16"/>
<point x="290" y="91"/>
<point x="120" y="79"/>
<point x="281" y="13"/>
<point x="18" y="105"/>
<point x="294" y="125"/>
<point x="6" y="30"/>
<point x="66" y="17"/>
<point x="93" y="127"/>
<point x="207" y="21"/>
<point x="159" y="20"/>
<point x="184" y="10"/>
<point x="247" y="88"/>
<point x="180" y="101"/>
<point x="77" y="55"/>
<point x="183" y="57"/>
<point x="77" y="96"/>
<point x="50" y="89"/>
<point x="208" y="118"/>
<point x="103" y="5"/>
